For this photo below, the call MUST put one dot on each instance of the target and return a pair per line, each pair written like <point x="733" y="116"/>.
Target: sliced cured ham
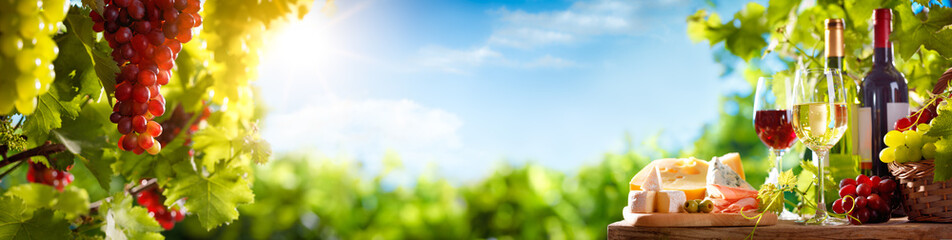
<point x="745" y="204"/>
<point x="725" y="192"/>
<point x="732" y="199"/>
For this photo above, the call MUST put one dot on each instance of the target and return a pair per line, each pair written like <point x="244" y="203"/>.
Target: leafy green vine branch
<point x="147" y="184"/>
<point x="48" y="148"/>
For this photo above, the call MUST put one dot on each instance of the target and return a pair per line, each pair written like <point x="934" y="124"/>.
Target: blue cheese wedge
<point x="721" y="174"/>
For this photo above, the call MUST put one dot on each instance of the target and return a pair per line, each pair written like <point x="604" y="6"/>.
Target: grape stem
<point x="46" y="149"/>
<point x="147" y="185"/>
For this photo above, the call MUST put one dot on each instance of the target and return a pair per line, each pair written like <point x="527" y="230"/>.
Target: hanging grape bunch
<point x="39" y="173"/>
<point x="146" y="37"/>
<point x="27" y="51"/>
<point x="152" y="200"/>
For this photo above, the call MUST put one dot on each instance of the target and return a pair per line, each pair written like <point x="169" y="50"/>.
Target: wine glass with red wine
<point x="774" y="126"/>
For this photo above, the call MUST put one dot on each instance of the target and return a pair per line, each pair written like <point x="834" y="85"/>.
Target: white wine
<point x="819" y="125"/>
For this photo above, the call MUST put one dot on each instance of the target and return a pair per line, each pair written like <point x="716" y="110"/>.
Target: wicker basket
<point x="923" y="200"/>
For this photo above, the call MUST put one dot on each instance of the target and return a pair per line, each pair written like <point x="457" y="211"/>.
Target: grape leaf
<point x="80" y="24"/>
<point x="125" y="221"/>
<point x="259" y="148"/>
<point x="787" y="178"/>
<point x="34" y="195"/>
<point x="134" y="167"/>
<point x="770" y="198"/>
<point x="214" y="198"/>
<point x="942" y="127"/>
<point x="926" y="30"/>
<point x="941" y="124"/>
<point x="72" y="201"/>
<point x="745" y="41"/>
<point x="98" y="163"/>
<point x="216" y="143"/>
<point x="19" y="222"/>
<point x="97" y="5"/>
<point x="702" y="26"/>
<point x="49" y="111"/>
<point x="86" y="137"/>
<point x="779" y="10"/>
<point x="859" y="12"/>
<point x="748" y="41"/>
<point x="75" y="75"/>
<point x="943" y="160"/>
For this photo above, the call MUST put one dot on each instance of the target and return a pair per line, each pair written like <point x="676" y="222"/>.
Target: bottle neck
<point x="883" y="55"/>
<point x="834" y="62"/>
<point x="882" y="28"/>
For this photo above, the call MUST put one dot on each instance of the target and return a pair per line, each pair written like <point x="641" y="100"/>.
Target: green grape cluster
<point x="8" y="136"/>
<point x="908" y="146"/>
<point x="233" y="31"/>
<point x="27" y="51"/>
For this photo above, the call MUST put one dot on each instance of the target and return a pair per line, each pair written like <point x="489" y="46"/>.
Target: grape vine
<point x="106" y="73"/>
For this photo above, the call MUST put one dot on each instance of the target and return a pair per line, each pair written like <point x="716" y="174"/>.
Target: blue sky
<point x="459" y="86"/>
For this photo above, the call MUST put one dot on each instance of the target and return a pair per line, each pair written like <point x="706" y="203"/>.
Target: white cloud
<point x="526" y="30"/>
<point x="367" y="129"/>
<point x="528" y="37"/>
<point x="550" y="62"/>
<point x="457" y="61"/>
<point x="523" y="29"/>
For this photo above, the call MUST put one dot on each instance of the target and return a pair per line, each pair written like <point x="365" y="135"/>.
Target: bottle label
<point x="895" y="111"/>
<point x="864" y="134"/>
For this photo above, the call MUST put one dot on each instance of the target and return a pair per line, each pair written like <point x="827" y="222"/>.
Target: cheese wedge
<point x="686" y="174"/>
<point x="669" y="201"/>
<point x="733" y="160"/>
<point x="720" y="174"/>
<point x="653" y="181"/>
<point x="641" y="201"/>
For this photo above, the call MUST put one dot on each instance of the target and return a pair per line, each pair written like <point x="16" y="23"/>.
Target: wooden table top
<point x="896" y="228"/>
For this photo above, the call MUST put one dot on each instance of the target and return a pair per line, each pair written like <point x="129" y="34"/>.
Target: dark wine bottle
<point x="885" y="95"/>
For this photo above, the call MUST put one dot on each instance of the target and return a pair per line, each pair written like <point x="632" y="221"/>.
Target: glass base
<point x="824" y="220"/>
<point x="789" y="216"/>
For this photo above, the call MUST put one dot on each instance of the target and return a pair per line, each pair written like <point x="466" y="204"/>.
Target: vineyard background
<point x="309" y="195"/>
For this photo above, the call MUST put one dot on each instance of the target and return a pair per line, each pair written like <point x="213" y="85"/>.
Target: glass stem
<point x="778" y="161"/>
<point x="822" y="156"/>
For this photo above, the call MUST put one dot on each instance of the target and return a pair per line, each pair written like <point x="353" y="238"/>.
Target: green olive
<point x="690" y="206"/>
<point x="706" y="206"/>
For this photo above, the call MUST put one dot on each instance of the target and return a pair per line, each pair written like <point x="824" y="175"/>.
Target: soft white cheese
<point x="669" y="201"/>
<point x="641" y="201"/>
<point x="653" y="181"/>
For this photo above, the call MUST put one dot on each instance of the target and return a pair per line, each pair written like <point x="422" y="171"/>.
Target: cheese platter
<point x="690" y="192"/>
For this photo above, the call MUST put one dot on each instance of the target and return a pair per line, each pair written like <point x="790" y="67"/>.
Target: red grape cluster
<point x="42" y="174"/>
<point x="872" y="199"/>
<point x="152" y="200"/>
<point x="146" y="37"/>
<point x="917" y="117"/>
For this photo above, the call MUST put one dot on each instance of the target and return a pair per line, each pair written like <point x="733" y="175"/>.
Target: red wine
<point x="774" y="128"/>
<point x="885" y="94"/>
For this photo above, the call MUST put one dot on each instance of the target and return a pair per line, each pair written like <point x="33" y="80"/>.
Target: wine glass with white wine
<point x="819" y="120"/>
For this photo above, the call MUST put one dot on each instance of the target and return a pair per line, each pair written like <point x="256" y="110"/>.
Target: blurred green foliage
<point x="300" y="195"/>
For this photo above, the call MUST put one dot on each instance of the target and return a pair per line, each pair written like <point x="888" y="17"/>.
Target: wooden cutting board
<point x="695" y="219"/>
